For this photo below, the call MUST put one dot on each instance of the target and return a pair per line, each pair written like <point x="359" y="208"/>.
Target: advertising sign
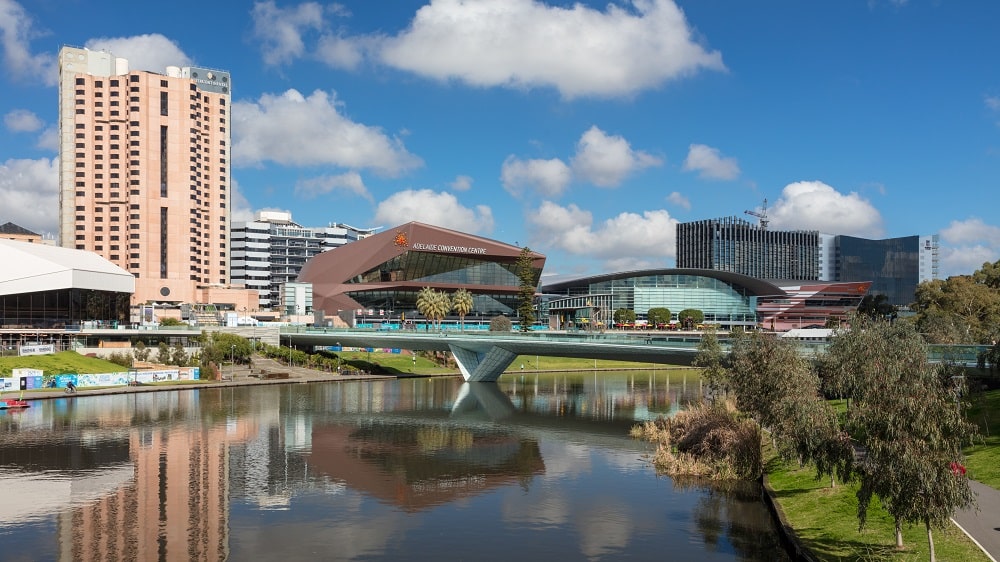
<point x="36" y="349"/>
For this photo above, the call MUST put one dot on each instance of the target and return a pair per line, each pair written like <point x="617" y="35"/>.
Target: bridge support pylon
<point x="482" y="366"/>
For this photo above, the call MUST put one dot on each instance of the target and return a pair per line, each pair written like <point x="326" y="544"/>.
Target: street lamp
<point x="232" y="359"/>
<point x="340" y="351"/>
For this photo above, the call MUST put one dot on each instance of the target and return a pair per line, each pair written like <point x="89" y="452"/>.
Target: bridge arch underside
<point x="485" y="359"/>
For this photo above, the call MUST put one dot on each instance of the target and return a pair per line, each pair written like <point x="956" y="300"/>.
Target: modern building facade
<point x="739" y="246"/>
<point x="726" y="299"/>
<point x="895" y="266"/>
<point x="385" y="271"/>
<point x="54" y="287"/>
<point x="270" y="251"/>
<point x="144" y="176"/>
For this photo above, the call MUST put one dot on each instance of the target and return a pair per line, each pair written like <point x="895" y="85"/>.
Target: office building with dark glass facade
<point x="385" y="272"/>
<point x="895" y="266"/>
<point x="739" y="246"/>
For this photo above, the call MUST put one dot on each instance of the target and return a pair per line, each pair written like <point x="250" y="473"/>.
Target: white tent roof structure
<point x="32" y="268"/>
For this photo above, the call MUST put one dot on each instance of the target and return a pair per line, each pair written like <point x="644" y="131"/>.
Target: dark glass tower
<point x="738" y="246"/>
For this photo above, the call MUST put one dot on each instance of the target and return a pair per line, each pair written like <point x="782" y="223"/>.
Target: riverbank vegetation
<point x="898" y="443"/>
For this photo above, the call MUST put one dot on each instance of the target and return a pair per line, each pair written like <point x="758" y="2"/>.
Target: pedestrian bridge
<point x="483" y="356"/>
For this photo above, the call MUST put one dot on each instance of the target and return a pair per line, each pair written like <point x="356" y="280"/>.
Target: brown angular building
<point x="387" y="270"/>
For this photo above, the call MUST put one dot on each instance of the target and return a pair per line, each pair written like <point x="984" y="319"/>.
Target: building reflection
<point x="120" y="487"/>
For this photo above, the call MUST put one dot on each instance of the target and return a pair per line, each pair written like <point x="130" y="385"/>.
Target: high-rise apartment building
<point x="270" y="250"/>
<point x="739" y="246"/>
<point x="144" y="171"/>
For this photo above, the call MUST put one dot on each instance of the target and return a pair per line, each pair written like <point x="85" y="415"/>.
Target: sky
<point x="584" y="130"/>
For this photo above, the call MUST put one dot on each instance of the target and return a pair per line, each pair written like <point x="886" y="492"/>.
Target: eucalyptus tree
<point x="462" y="303"/>
<point x="711" y="359"/>
<point x="908" y="423"/>
<point x="624" y="316"/>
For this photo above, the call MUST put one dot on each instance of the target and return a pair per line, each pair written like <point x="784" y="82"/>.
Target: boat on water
<point x="13" y="404"/>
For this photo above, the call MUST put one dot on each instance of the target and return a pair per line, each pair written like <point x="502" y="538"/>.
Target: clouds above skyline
<point x="152" y="52"/>
<point x="814" y="205"/>
<point x="710" y="164"/>
<point x="436" y="208"/>
<point x="17" y="30"/>
<point x="29" y="192"/>
<point x="295" y="130"/>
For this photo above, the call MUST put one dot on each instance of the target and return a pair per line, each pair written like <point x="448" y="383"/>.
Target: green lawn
<point x="59" y="363"/>
<point x="983" y="460"/>
<point x="826" y="521"/>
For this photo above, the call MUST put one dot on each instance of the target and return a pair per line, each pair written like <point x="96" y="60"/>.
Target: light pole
<point x="414" y="357"/>
<point x="232" y="359"/>
<point x="340" y="351"/>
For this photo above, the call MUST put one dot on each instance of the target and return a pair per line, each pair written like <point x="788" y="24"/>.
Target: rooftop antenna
<point x="762" y="215"/>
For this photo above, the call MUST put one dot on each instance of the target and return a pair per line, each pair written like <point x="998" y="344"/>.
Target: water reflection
<point x="413" y="469"/>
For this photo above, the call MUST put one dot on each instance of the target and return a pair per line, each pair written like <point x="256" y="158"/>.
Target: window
<point x="163" y="103"/>
<point x="164" y="84"/>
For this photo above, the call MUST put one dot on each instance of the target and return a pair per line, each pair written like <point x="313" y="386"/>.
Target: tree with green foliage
<point x="163" y="354"/>
<point x="462" y="303"/>
<point x="171" y="322"/>
<point x="960" y="309"/>
<point x="908" y="423"/>
<point x="433" y="305"/>
<point x="690" y="317"/>
<point x="877" y="306"/>
<point x="141" y="352"/>
<point x="658" y="316"/>
<point x="624" y="316"/>
<point x="528" y="279"/>
<point x="178" y="356"/>
<point x="712" y="359"/>
<point x="500" y="324"/>
<point x="776" y="386"/>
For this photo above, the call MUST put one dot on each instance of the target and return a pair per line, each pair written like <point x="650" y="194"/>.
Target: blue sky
<point x="584" y="130"/>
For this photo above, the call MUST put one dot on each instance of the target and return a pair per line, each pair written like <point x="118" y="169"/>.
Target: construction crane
<point x="762" y="215"/>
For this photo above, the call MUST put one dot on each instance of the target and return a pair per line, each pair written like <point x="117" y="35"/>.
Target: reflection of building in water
<point x="418" y="466"/>
<point x="175" y="508"/>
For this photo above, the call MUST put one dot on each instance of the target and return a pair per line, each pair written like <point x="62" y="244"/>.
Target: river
<point x="536" y="467"/>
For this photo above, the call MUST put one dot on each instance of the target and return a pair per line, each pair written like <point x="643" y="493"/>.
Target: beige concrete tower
<point x="144" y="171"/>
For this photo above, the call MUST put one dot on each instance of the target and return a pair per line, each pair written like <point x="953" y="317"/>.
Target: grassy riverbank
<point x="983" y="460"/>
<point x="60" y="363"/>
<point x="825" y="520"/>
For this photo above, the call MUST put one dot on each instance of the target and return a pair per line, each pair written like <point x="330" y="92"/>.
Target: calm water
<point x="534" y="468"/>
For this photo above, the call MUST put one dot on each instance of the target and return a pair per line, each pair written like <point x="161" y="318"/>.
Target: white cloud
<point x="462" y="183"/>
<point x="29" y="194"/>
<point x="814" y="205"/>
<point x="17" y="29"/>
<point x="22" y="121"/>
<point x="547" y="177"/>
<point x="49" y="139"/>
<point x="241" y="209"/>
<point x="279" y="30"/>
<point x="993" y="102"/>
<point x="436" y="208"/>
<point x="293" y="130"/>
<point x="606" y="161"/>
<point x="341" y="52"/>
<point x="152" y="52"/>
<point x="677" y="199"/>
<point x="525" y="44"/>
<point x="350" y="182"/>
<point x="967" y="245"/>
<point x="628" y="240"/>
<point x="710" y="164"/>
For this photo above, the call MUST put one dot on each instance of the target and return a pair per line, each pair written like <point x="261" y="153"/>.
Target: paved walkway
<point x="983" y="525"/>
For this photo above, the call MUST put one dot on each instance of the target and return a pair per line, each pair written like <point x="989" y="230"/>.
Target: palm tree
<point x="425" y="302"/>
<point x="461" y="303"/>
<point x="442" y="305"/>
